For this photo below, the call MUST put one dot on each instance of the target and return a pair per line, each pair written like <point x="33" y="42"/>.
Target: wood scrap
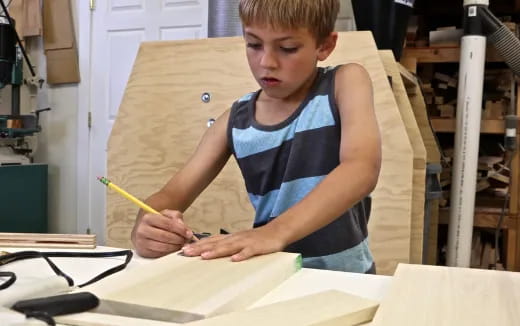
<point x="326" y="308"/>
<point x="447" y="111"/>
<point x="47" y="240"/>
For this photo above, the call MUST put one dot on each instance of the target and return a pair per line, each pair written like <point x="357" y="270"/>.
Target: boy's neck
<point x="296" y="97"/>
<point x="271" y="110"/>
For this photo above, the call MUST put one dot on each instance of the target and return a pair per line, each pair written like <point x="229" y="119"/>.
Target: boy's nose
<point x="268" y="60"/>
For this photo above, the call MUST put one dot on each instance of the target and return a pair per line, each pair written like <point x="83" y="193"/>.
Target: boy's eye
<point x="254" y="46"/>
<point x="288" y="50"/>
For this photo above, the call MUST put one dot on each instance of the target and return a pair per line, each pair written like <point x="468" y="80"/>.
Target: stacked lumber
<point x="440" y="92"/>
<point x="445" y="36"/>
<point x="492" y="177"/>
<point x="484" y="255"/>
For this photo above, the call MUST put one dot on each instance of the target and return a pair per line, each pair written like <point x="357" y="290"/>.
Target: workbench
<point x="304" y="282"/>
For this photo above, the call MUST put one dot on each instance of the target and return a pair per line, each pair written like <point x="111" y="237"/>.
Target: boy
<point x="307" y="144"/>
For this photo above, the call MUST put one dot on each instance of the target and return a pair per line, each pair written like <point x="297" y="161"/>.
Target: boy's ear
<point x="327" y="46"/>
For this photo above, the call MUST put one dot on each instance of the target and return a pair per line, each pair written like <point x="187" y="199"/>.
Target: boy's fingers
<point x="163" y="236"/>
<point x="157" y="248"/>
<point x="173" y="225"/>
<point x="175" y="215"/>
<point x="244" y="254"/>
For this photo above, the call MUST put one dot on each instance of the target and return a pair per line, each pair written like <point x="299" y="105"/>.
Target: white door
<point x="117" y="29"/>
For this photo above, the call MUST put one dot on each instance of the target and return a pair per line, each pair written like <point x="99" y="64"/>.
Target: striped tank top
<point x="282" y="163"/>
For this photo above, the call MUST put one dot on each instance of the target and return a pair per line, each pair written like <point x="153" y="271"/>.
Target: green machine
<point x="23" y="184"/>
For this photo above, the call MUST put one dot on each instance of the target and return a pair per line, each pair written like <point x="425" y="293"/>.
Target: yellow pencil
<point x="136" y="201"/>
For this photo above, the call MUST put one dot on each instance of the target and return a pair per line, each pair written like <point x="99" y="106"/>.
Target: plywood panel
<point x="433" y="154"/>
<point x="444" y="296"/>
<point x="181" y="289"/>
<point x="162" y="117"/>
<point x="419" y="156"/>
<point x="421" y="116"/>
<point x="328" y="308"/>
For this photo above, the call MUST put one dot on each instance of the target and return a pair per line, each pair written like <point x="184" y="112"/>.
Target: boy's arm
<point x="157" y="235"/>
<point x="353" y="179"/>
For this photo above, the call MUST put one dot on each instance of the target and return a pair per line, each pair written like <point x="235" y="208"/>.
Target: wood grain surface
<point x="446" y="296"/>
<point x="162" y="117"/>
<point x="181" y="289"/>
<point x="329" y="308"/>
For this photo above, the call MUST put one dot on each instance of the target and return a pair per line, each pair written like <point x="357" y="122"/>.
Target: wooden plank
<point x="421" y="116"/>
<point x="182" y="289"/>
<point x="329" y="308"/>
<point x="419" y="154"/>
<point x="442" y="54"/>
<point x="433" y="154"/>
<point x="42" y="240"/>
<point x="58" y="27"/>
<point x="165" y="88"/>
<point x="32" y="18"/>
<point x="96" y="319"/>
<point x="484" y="218"/>
<point x="434" y="295"/>
<point x="16" y="12"/>
<point x="486" y="127"/>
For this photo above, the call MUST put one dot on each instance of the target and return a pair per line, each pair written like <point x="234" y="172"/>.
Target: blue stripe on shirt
<point x="276" y="202"/>
<point x="357" y="259"/>
<point x="317" y="114"/>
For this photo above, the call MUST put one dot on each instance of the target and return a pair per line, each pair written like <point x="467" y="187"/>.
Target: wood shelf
<point x="486" y="126"/>
<point x="443" y="55"/>
<point x="485" y="217"/>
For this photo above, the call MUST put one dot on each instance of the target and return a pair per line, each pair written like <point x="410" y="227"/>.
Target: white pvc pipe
<point x="465" y="163"/>
<point x="476" y="2"/>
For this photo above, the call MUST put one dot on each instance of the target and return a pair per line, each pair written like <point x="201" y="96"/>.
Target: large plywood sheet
<point x="446" y="296"/>
<point x="162" y="118"/>
<point x="182" y="289"/>
<point x="329" y="308"/>
<point x="419" y="156"/>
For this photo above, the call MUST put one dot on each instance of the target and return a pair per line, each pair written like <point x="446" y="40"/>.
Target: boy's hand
<point x="158" y="235"/>
<point x="240" y="246"/>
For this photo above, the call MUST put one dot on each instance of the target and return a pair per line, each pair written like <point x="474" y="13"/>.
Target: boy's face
<point x="284" y="61"/>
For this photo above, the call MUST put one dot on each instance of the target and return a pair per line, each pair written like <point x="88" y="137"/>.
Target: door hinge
<point x="89" y="120"/>
<point x="92" y="4"/>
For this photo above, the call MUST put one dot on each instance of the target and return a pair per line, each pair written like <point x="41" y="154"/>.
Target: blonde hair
<point x="318" y="16"/>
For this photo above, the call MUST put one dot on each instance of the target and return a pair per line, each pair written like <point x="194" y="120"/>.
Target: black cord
<point x="6" y="259"/>
<point x="10" y="280"/>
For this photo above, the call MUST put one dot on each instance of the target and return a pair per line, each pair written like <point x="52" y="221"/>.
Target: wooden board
<point x="164" y="93"/>
<point x="96" y="319"/>
<point x="182" y="289"/>
<point x="438" y="296"/>
<point x="46" y="240"/>
<point x="327" y="308"/>
<point x="419" y="156"/>
<point x="421" y="116"/>
<point x="32" y="18"/>
<point x="433" y="154"/>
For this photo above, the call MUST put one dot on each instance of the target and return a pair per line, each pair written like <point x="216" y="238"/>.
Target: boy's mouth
<point x="269" y="81"/>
